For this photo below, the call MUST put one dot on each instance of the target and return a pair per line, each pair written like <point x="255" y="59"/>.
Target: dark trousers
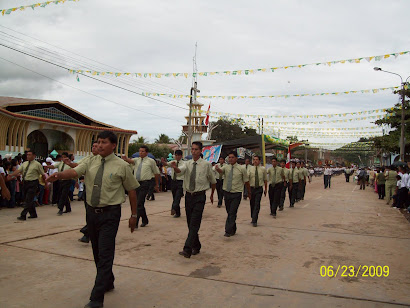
<point x="326" y="179"/>
<point x="194" y="208"/>
<point x="293" y="193"/>
<point x="103" y="229"/>
<point x="141" y="194"/>
<point x="283" y="194"/>
<point x="84" y="230"/>
<point x="256" y="202"/>
<point x="381" y="191"/>
<point x="177" y="193"/>
<point x="347" y="177"/>
<point x="150" y="193"/>
<point x="232" y="201"/>
<point x="30" y="190"/>
<point x="64" y="200"/>
<point x="301" y="190"/>
<point x="56" y="192"/>
<point x="274" y="196"/>
<point x="362" y="182"/>
<point x="220" y="192"/>
<point x="402" y="197"/>
<point x="40" y="194"/>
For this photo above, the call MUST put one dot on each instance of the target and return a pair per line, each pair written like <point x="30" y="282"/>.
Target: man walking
<point x="286" y="184"/>
<point x="303" y="181"/>
<point x="145" y="168"/>
<point x="327" y="174"/>
<point x="276" y="179"/>
<point x="106" y="177"/>
<point x="220" y="182"/>
<point x="31" y="171"/>
<point x="177" y="181"/>
<point x="235" y="180"/>
<point x="294" y="178"/>
<point x="257" y="179"/>
<point x="197" y="177"/>
<point x="348" y="172"/>
<point x="245" y="191"/>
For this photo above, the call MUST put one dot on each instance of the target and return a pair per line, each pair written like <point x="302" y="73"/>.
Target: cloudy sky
<point x="160" y="36"/>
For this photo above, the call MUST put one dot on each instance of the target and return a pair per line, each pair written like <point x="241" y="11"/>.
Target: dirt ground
<point x="277" y="264"/>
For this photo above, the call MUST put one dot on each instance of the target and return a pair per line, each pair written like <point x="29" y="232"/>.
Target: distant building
<point x="43" y="126"/>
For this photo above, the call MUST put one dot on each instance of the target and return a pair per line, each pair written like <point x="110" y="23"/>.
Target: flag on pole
<point x="207" y="115"/>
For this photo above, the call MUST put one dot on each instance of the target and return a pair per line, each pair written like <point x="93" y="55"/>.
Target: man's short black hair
<point x="58" y="156"/>
<point x="257" y="157"/>
<point x="274" y="158"/>
<point x="145" y="147"/>
<point x="283" y="161"/>
<point x="197" y="143"/>
<point x="32" y="152"/>
<point x="178" y="152"/>
<point x="108" y="135"/>
<point x="234" y="153"/>
<point x="64" y="154"/>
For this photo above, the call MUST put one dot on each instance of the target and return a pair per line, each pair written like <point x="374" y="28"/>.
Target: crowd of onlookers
<point x="47" y="193"/>
<point x="391" y="183"/>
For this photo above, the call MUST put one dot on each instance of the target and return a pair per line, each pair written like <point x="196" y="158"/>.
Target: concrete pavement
<point x="276" y="264"/>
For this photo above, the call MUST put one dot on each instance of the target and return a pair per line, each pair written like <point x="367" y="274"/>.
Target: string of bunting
<point x="241" y="71"/>
<point x="308" y="116"/>
<point x="230" y="97"/>
<point x="328" y="129"/>
<point x="33" y="6"/>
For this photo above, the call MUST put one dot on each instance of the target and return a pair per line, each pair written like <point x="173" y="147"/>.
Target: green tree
<point x="162" y="138"/>
<point x="231" y="129"/>
<point x="391" y="142"/>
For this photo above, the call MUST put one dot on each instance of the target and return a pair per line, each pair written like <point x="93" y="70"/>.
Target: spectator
<point x="380" y="180"/>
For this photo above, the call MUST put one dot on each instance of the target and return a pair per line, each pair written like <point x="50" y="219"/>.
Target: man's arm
<point x="13" y="175"/>
<point x="218" y="169"/>
<point x="65" y="175"/>
<point x="5" y="193"/>
<point x="132" y="223"/>
<point x="128" y="160"/>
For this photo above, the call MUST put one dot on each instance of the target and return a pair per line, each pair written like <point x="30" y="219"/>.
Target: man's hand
<point x="156" y="188"/>
<point x="212" y="198"/>
<point x="66" y="160"/>
<point x="52" y="178"/>
<point x="173" y="164"/>
<point x="217" y="168"/>
<point x="132" y="223"/>
<point x="163" y="161"/>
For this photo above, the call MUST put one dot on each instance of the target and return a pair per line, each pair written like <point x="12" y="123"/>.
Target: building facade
<point x="44" y="126"/>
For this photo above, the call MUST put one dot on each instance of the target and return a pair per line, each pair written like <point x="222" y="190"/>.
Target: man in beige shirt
<point x="177" y="181"/>
<point x="257" y="179"/>
<point x="144" y="168"/>
<point x="276" y="179"/>
<point x="295" y="176"/>
<point x="220" y="181"/>
<point x="31" y="170"/>
<point x="106" y="177"/>
<point x="303" y="181"/>
<point x="235" y="178"/>
<point x="197" y="177"/>
<point x="286" y="184"/>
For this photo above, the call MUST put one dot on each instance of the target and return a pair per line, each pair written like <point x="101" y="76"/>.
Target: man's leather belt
<point x="196" y="193"/>
<point x="99" y="210"/>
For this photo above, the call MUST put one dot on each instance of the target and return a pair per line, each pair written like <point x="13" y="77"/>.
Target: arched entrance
<point x="37" y="142"/>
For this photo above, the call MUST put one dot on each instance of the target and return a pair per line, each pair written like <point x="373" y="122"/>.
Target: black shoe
<point x="173" y="212"/>
<point x="227" y="234"/>
<point x="271" y="214"/>
<point x="94" y="304"/>
<point x="67" y="212"/>
<point x="281" y="208"/>
<point x="84" y="239"/>
<point x="195" y="252"/>
<point x="177" y="216"/>
<point x="185" y="254"/>
<point x="21" y="218"/>
<point x="274" y="215"/>
<point x="144" y="224"/>
<point x="219" y="205"/>
<point x="60" y="213"/>
<point x="292" y="206"/>
<point x="33" y="216"/>
<point x="254" y="224"/>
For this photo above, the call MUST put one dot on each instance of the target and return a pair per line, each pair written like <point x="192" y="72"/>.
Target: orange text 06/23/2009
<point x="354" y="271"/>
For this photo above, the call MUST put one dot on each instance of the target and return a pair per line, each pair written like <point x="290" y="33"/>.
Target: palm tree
<point x="162" y="138"/>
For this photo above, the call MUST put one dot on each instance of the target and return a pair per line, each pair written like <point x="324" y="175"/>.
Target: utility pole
<point x="192" y="99"/>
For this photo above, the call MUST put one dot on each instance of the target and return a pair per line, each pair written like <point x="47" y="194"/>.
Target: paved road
<point x="276" y="264"/>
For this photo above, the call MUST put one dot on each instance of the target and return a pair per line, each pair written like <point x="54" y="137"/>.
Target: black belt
<point x="177" y="180"/>
<point x="144" y="181"/>
<point x="99" y="210"/>
<point x="196" y="193"/>
<point x="30" y="181"/>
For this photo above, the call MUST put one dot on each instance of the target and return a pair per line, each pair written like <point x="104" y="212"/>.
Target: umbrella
<point x="399" y="163"/>
<point x="138" y="155"/>
<point x="188" y="157"/>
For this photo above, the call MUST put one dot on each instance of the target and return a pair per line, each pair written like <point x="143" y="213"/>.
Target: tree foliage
<point x="391" y="142"/>
<point x="231" y="130"/>
<point x="163" y="138"/>
<point x="157" y="150"/>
